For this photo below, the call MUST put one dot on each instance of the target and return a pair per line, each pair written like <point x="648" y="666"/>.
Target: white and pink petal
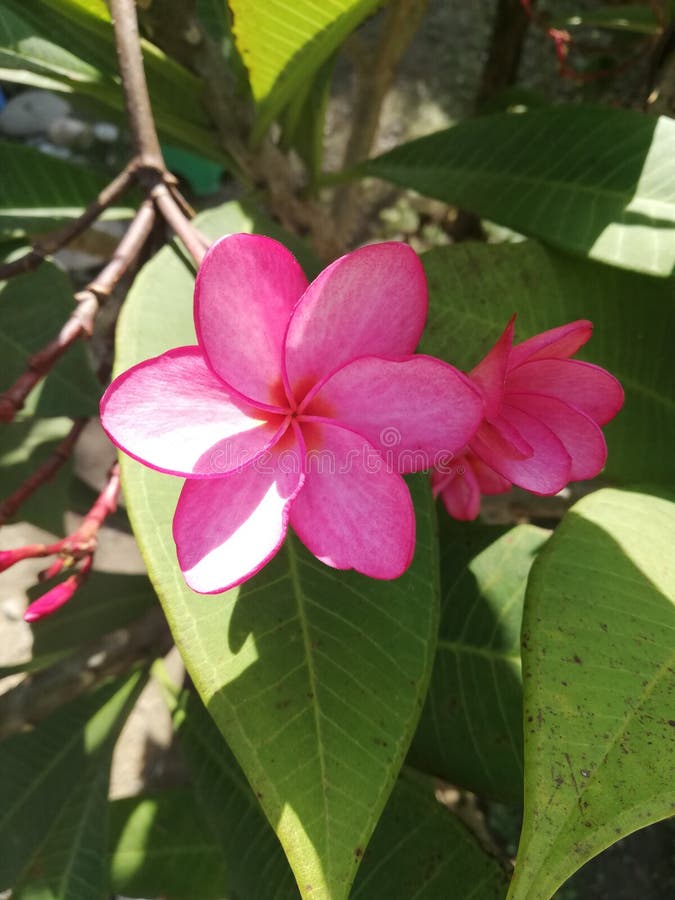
<point x="226" y="529"/>
<point x="173" y="414"/>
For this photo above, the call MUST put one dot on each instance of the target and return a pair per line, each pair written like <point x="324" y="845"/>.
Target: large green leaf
<point x="315" y="677"/>
<point x="283" y="45"/>
<point x="250" y="850"/>
<point x="38" y="191"/>
<point x="470" y="732"/>
<point x="24" y="445"/>
<point x="105" y="602"/>
<point x="69" y="45"/>
<point x="159" y="847"/>
<point x="43" y="768"/>
<point x="33" y="309"/>
<point x="71" y="863"/>
<point x="594" y="181"/>
<point x="420" y="850"/>
<point x="598" y="677"/>
<point x="476" y="288"/>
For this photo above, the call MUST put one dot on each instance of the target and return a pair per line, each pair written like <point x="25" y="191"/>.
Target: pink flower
<point x="300" y="404"/>
<point x="543" y="413"/>
<point x="462" y="481"/>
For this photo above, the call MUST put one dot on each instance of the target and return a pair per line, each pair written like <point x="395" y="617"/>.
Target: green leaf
<point x="252" y="854"/>
<point x="159" y="846"/>
<point x="618" y="17"/>
<point x="304" y="119"/>
<point x="71" y="863"/>
<point x="315" y="677"/>
<point x="25" y="445"/>
<point x="33" y="309"/>
<point x="470" y="733"/>
<point x="283" y="45"/>
<point x="42" y="768"/>
<point x="476" y="288"/>
<point x="421" y="850"/>
<point x="598" y="661"/>
<point x="105" y="602"/>
<point x="589" y="180"/>
<point x="38" y="191"/>
<point x="69" y="45"/>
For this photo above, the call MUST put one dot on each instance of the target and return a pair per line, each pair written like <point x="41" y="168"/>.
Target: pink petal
<point x="579" y="434"/>
<point x="557" y="343"/>
<point x="503" y="438"/>
<point x="489" y="481"/>
<point x="416" y="411"/>
<point x="370" y="302"/>
<point x="461" y="495"/>
<point x="547" y="471"/>
<point x="353" y="513"/>
<point x="51" y="601"/>
<point x="490" y="373"/>
<point x="246" y="288"/>
<point x="581" y="384"/>
<point x="226" y="529"/>
<point x="173" y="414"/>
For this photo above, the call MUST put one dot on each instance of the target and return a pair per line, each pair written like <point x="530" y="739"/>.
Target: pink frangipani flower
<point x="543" y="413"/>
<point x="285" y="410"/>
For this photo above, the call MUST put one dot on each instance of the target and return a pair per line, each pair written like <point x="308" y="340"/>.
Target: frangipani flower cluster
<point x="541" y="428"/>
<point x="300" y="404"/>
<point x="303" y="404"/>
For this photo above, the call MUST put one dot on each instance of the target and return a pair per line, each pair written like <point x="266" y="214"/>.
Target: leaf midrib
<point x="313" y="681"/>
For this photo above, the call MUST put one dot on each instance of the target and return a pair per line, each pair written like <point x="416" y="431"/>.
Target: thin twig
<point x="135" y="88"/>
<point x="81" y="322"/>
<point x="52" y="242"/>
<point x="195" y="243"/>
<point x="44" y="473"/>
<point x="374" y="80"/>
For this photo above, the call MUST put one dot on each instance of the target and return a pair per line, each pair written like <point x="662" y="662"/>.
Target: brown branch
<point x="45" y="472"/>
<point x="374" y="81"/>
<point x="195" y="243"/>
<point x="81" y="322"/>
<point x="135" y="88"/>
<point x="509" y="31"/>
<point x="52" y="242"/>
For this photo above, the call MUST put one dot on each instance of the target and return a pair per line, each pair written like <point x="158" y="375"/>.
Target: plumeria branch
<point x="81" y="322"/>
<point x="44" y="473"/>
<point x="54" y="241"/>
<point x="74" y="552"/>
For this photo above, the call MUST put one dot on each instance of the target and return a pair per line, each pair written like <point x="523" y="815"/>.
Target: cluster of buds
<point x="73" y="554"/>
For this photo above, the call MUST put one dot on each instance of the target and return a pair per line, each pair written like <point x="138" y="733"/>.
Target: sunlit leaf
<point x="283" y="45"/>
<point x="43" y="768"/>
<point x="598" y="677"/>
<point x="598" y="182"/>
<point x="159" y="846"/>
